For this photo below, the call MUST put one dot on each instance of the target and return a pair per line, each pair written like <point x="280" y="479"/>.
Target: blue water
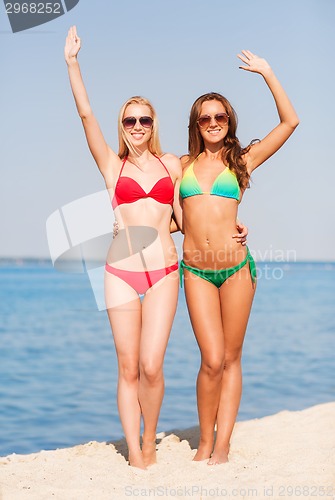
<point x="58" y="367"/>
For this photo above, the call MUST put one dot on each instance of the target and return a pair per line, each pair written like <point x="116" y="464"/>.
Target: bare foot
<point x="136" y="460"/>
<point x="149" y="452"/>
<point x="219" y="456"/>
<point x="204" y="452"/>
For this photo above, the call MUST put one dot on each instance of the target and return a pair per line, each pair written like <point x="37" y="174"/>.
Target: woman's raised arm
<point x="261" y="151"/>
<point x="100" y="150"/>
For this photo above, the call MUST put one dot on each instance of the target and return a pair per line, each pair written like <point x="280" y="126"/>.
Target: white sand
<point x="284" y="456"/>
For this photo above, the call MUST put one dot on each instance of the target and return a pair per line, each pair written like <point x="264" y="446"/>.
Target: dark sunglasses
<point x="130" y="122"/>
<point x="220" y="118"/>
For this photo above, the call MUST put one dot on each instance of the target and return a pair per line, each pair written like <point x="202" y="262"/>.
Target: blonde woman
<point x="143" y="184"/>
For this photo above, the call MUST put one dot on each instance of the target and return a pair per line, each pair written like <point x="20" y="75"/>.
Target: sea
<point x="58" y="368"/>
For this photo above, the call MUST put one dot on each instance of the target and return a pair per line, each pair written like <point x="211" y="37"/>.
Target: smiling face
<point x="219" y="133"/>
<point x="214" y="133"/>
<point x="138" y="135"/>
<point x="135" y="137"/>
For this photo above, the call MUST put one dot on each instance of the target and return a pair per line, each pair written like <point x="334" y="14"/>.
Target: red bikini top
<point x="127" y="190"/>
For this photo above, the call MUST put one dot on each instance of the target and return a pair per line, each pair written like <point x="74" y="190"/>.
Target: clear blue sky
<point x="171" y="52"/>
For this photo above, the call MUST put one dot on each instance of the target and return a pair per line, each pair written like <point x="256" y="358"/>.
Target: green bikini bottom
<point x="217" y="278"/>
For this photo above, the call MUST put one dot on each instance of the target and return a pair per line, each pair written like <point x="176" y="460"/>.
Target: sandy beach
<point x="287" y="455"/>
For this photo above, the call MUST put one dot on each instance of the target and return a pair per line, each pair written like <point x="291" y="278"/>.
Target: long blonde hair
<point x="233" y="151"/>
<point x="124" y="145"/>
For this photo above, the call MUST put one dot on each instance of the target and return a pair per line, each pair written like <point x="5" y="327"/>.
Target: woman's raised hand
<point x="253" y="63"/>
<point x="72" y="45"/>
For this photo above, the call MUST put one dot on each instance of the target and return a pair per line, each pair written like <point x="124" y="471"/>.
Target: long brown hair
<point x="233" y="152"/>
<point x="124" y="145"/>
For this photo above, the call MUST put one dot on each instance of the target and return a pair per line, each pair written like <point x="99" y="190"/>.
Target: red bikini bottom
<point x="141" y="281"/>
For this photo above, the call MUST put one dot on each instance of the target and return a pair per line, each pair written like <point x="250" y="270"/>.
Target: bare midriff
<point x="143" y="240"/>
<point x="209" y="223"/>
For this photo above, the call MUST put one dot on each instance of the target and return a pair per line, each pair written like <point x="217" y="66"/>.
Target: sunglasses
<point x="220" y="118"/>
<point x="130" y="122"/>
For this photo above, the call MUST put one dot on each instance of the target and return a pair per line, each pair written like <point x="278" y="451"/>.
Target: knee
<point x="129" y="373"/>
<point x="151" y="372"/>
<point x="213" y="367"/>
<point x="232" y="359"/>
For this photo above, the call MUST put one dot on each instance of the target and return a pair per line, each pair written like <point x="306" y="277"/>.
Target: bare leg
<point x="203" y="301"/>
<point x="236" y="295"/>
<point x="125" y="320"/>
<point x="158" y="310"/>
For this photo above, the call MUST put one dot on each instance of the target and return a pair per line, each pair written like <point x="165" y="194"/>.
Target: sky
<point x="171" y="52"/>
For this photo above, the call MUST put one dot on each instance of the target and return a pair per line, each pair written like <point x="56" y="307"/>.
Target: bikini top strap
<point x="158" y="158"/>
<point x="123" y="163"/>
<point x="191" y="165"/>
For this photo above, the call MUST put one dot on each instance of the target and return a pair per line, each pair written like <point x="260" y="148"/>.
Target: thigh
<point x="125" y="320"/>
<point x="158" y="310"/>
<point x="236" y="296"/>
<point x="203" y="302"/>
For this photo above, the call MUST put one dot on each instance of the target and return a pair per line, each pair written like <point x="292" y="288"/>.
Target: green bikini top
<point x="225" y="185"/>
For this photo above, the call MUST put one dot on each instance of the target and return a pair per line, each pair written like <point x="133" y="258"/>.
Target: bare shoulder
<point x="172" y="163"/>
<point x="185" y="161"/>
